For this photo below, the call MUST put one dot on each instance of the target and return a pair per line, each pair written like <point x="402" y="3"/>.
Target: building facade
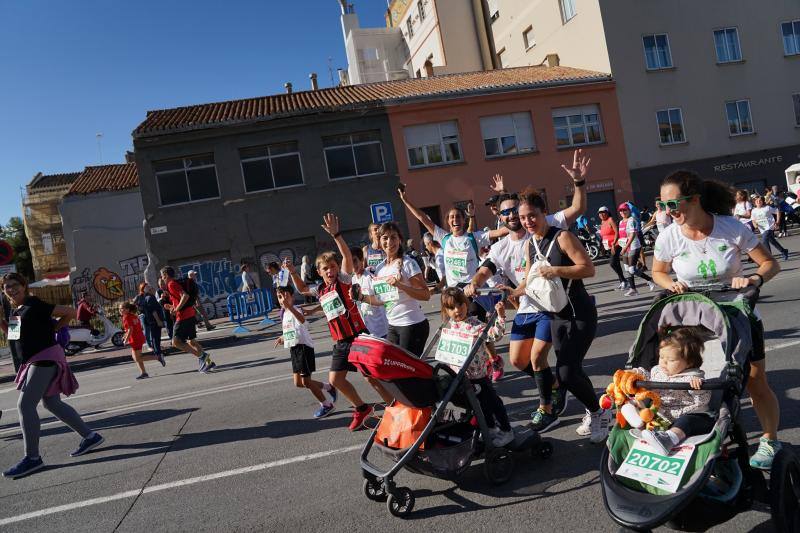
<point x="720" y="96"/>
<point x="43" y="223"/>
<point x="102" y="219"/>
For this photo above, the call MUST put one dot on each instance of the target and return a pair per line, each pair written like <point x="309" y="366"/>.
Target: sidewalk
<point x="221" y="336"/>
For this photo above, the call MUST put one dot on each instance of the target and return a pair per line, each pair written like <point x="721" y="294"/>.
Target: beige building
<point x="712" y="86"/>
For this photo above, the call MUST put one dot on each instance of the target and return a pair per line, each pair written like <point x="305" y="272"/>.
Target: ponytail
<point x="716" y="198"/>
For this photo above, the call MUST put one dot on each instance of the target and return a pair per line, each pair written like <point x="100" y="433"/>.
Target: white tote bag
<point x="547" y="294"/>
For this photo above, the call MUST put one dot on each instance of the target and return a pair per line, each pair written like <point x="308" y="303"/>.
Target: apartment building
<point x="710" y="86"/>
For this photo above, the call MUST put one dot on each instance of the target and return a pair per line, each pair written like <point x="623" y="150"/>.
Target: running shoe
<point x="560" y="400"/>
<point x="658" y="440"/>
<point x="767" y="449"/>
<point x="161" y="359"/>
<point x="651" y="286"/>
<point x="359" y="417"/>
<point x="622" y="286"/>
<point x="786" y="255"/>
<point x="541" y="420"/>
<point x="205" y="363"/>
<point x="324" y="410"/>
<point x="585" y="427"/>
<point x="143" y="375"/>
<point x="88" y="444"/>
<point x="211" y="364"/>
<point x="631" y="292"/>
<point x="497" y="369"/>
<point x="24" y="467"/>
<point x="599" y="425"/>
<point x="502" y="438"/>
<point x="333" y="394"/>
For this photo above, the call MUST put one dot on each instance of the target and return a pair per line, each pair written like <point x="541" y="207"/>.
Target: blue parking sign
<point x="381" y="212"/>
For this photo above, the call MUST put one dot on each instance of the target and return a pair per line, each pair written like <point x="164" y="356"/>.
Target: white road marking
<point x="8" y="390"/>
<point x="782" y="345"/>
<point x="174" y="484"/>
<point x="99" y="392"/>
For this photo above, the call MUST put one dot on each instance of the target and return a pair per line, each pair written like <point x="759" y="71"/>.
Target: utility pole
<point x="330" y="70"/>
<point x="99" y="137"/>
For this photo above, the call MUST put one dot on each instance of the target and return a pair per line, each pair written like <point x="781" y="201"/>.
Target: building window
<point x="190" y="179"/>
<point x="739" y="120"/>
<point x="353" y="155"/>
<point x="421" y="10"/>
<point x="577" y="126"/>
<point x="500" y="57"/>
<point x="656" y="51"/>
<point x="726" y="42"/>
<point x="47" y="243"/>
<point x="494" y="9"/>
<point x="796" y="102"/>
<point x="670" y="126"/>
<point x="507" y="134"/>
<point x="271" y="167"/>
<point x="432" y="144"/>
<point x="410" y="27"/>
<point x="527" y="38"/>
<point x="791" y="37"/>
<point x="567" y="10"/>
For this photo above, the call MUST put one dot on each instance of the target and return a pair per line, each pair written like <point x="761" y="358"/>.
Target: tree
<point x="14" y="234"/>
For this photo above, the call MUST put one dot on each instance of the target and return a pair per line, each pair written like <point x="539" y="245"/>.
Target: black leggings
<point x="630" y="262"/>
<point x="492" y="406"/>
<point x="615" y="263"/>
<point x="411" y="338"/>
<point x="571" y="341"/>
<point x="694" y="423"/>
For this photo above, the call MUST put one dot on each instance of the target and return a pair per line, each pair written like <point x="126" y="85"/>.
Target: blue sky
<point x="73" y="69"/>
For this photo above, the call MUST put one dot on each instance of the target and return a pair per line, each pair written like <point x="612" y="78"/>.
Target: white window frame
<point x="421" y="10"/>
<point x="683" y="127"/>
<point x="562" y="7"/>
<point x="794" y="34"/>
<point x="442" y="145"/>
<point x="528" y="42"/>
<point x="738" y="44"/>
<point x="739" y="118"/>
<point x="269" y="157"/>
<point x="352" y="146"/>
<point x="569" y="127"/>
<point x="669" y="52"/>
<point x="530" y="150"/>
<point x="186" y="177"/>
<point x="494" y="9"/>
<point x="410" y="27"/>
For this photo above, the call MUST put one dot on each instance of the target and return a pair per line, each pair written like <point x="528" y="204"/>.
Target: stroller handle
<point x="489" y="291"/>
<point x="711" y="384"/>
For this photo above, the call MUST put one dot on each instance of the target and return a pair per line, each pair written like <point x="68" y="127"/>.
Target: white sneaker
<point x="599" y="425"/>
<point x="631" y="292"/>
<point x="584" y="430"/>
<point x="651" y="285"/>
<point x="621" y="286"/>
<point x="502" y="438"/>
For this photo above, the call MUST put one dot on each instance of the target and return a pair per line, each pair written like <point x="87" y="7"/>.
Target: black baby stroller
<point x="448" y="443"/>
<point x="718" y="481"/>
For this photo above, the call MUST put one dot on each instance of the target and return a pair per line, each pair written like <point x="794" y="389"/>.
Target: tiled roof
<point x="106" y="178"/>
<point x="359" y="97"/>
<point x="43" y="181"/>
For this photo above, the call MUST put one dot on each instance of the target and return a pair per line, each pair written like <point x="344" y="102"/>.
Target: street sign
<point x="381" y="212"/>
<point x="157" y="230"/>
<point x="7" y="269"/>
<point x="6" y="253"/>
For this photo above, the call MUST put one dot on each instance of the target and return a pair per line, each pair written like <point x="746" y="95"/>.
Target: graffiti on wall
<point x="270" y="257"/>
<point x="107" y="284"/>
<point x="216" y="280"/>
<point x="132" y="271"/>
<point x="80" y="285"/>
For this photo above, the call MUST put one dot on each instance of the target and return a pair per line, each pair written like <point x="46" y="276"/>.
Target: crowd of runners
<point x="704" y="235"/>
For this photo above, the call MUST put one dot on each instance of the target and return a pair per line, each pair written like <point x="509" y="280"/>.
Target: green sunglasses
<point x="672" y="205"/>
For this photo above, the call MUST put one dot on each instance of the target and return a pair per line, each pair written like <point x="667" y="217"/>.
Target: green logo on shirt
<point x="706" y="268"/>
<point x="723" y="247"/>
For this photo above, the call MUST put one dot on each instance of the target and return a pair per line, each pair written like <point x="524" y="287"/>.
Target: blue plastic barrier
<point x="249" y="305"/>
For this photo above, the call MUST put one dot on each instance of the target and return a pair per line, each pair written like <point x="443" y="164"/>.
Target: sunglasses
<point x="510" y="211"/>
<point x="672" y="205"/>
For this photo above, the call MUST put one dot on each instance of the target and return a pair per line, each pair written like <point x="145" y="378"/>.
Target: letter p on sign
<point x="381" y="212"/>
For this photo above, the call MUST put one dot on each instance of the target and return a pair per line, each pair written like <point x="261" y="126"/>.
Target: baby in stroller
<point x="680" y="355"/>
<point x="455" y="308"/>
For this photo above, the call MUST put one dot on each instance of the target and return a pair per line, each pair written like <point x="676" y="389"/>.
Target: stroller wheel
<point x="374" y="490"/>
<point x="543" y="451"/>
<point x="498" y="466"/>
<point x="784" y="491"/>
<point x="401" y="503"/>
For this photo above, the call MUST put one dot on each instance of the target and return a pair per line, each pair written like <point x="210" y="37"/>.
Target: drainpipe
<point x="482" y="30"/>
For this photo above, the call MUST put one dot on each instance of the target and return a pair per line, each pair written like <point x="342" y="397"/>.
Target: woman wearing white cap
<point x="610" y="237"/>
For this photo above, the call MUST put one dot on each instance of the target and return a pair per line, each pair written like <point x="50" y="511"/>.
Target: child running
<point x="679" y="359"/>
<point x="297" y="338"/>
<point x="455" y="307"/>
<point x="134" y="337"/>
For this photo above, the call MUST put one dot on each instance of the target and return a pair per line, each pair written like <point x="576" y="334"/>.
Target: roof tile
<point x="42" y="181"/>
<point x="106" y="178"/>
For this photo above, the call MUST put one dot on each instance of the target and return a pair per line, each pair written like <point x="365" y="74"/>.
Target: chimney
<point x="313" y="78"/>
<point x="552" y="60"/>
<point x="344" y="79"/>
<point x="288" y="86"/>
<point x="130" y="157"/>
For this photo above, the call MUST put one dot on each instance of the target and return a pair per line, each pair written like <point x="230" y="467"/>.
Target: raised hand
<point x="287" y="265"/>
<point x="580" y="166"/>
<point x="498" y="184"/>
<point x="470" y="209"/>
<point x="331" y="224"/>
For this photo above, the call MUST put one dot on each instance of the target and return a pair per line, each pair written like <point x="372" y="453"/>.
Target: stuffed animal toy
<point x="636" y="406"/>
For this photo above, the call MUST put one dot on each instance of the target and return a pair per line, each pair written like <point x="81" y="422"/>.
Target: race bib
<point x="14" y="328"/>
<point x="622" y="242"/>
<point x="374" y="260"/>
<point x="455" y="263"/>
<point x="606" y="245"/>
<point x="386" y="293"/>
<point x="647" y="466"/>
<point x="289" y="337"/>
<point x="454" y="347"/>
<point x="332" y="305"/>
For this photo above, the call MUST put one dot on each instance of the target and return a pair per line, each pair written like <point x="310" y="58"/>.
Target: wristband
<point x="761" y="279"/>
<point x="580" y="183"/>
<point x="337" y="234"/>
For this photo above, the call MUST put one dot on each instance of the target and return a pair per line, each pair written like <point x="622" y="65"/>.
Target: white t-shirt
<point x="282" y="278"/>
<point x="631" y="230"/>
<point x="248" y="283"/>
<point x="716" y="259"/>
<point x="374" y="315"/>
<point x="559" y="220"/>
<point x="508" y="255"/>
<point x="764" y="217"/>
<point x="741" y="209"/>
<point x="460" y="257"/>
<point x="295" y="332"/>
<point x="401" y="309"/>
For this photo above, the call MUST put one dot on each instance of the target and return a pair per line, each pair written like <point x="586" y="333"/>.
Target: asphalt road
<point x="239" y="450"/>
